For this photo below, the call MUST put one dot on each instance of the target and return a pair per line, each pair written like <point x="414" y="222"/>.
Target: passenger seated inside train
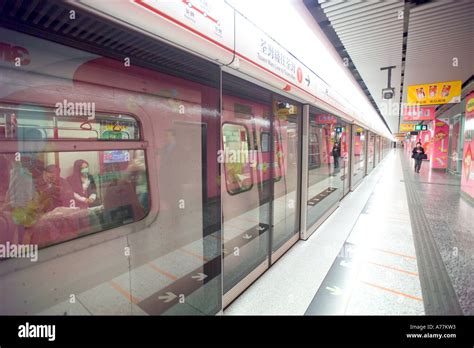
<point x="83" y="185"/>
<point x="39" y="206"/>
<point x="53" y="191"/>
<point x="32" y="184"/>
<point x="36" y="199"/>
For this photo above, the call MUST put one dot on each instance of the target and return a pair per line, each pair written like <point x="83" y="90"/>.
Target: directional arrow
<point x="199" y="276"/>
<point x="336" y="291"/>
<point x="307" y="80"/>
<point x="261" y="228"/>
<point x="247" y="236"/>
<point x="168" y="298"/>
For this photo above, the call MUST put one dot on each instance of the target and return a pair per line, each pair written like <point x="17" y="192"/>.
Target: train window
<point x="237" y="160"/>
<point x="52" y="197"/>
<point x="265" y="141"/>
<point x="67" y="120"/>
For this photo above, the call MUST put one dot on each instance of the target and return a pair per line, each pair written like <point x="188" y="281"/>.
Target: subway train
<point x="139" y="178"/>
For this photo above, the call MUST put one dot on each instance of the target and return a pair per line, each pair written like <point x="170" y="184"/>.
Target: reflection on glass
<point x="54" y="197"/>
<point x="371" y="152"/>
<point x="246" y="183"/>
<point x="33" y="122"/>
<point x="358" y="171"/>
<point x="236" y="155"/>
<point x="327" y="150"/>
<point x="377" y="149"/>
<point x="125" y="235"/>
<point x="264" y="130"/>
<point x="285" y="218"/>
<point x="456" y="146"/>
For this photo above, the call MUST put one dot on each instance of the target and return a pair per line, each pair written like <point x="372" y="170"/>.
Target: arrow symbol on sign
<point x="169" y="297"/>
<point x="336" y="291"/>
<point x="307" y="80"/>
<point x="261" y="228"/>
<point x="199" y="276"/>
<point x="247" y="236"/>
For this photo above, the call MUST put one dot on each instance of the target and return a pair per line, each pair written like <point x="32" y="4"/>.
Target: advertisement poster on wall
<point x="439" y="150"/>
<point x="467" y="177"/>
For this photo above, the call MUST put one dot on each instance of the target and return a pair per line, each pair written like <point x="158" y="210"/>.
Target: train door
<point x="358" y="156"/>
<point x="370" y="152"/>
<point x="322" y="185"/>
<point x="377" y="149"/>
<point x="260" y="137"/>
<point x="342" y="134"/>
<point x="286" y="173"/>
<point x="245" y="184"/>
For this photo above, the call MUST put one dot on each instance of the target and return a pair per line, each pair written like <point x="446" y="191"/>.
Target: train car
<point x="137" y="177"/>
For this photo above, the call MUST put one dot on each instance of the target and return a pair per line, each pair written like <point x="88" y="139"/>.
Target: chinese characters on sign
<point x="276" y="55"/>
<point x="407" y="127"/>
<point x="419" y="113"/>
<point x="279" y="60"/>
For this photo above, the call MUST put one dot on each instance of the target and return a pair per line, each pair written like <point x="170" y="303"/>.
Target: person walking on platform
<point x="336" y="153"/>
<point x="418" y="154"/>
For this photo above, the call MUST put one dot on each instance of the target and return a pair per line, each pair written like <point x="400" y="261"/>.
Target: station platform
<point x="400" y="244"/>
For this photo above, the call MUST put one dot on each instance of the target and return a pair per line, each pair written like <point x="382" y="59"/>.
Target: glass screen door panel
<point x="345" y="140"/>
<point x="246" y="183"/>
<point x="287" y="121"/>
<point x="358" y="156"/>
<point x="245" y="203"/>
<point x="326" y="153"/>
<point x="371" y="152"/>
<point x="456" y="150"/>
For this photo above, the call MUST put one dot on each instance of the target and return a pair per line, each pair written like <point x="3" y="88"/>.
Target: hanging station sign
<point x="407" y="127"/>
<point x="435" y="93"/>
<point x="421" y="127"/>
<point x="419" y="113"/>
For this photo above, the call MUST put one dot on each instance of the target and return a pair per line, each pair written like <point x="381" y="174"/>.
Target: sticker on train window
<point x="29" y="122"/>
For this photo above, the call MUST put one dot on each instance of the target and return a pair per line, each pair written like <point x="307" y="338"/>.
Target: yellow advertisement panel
<point x="435" y="93"/>
<point x="407" y="127"/>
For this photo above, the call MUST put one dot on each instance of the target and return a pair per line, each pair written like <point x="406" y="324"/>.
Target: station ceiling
<point x="426" y="41"/>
